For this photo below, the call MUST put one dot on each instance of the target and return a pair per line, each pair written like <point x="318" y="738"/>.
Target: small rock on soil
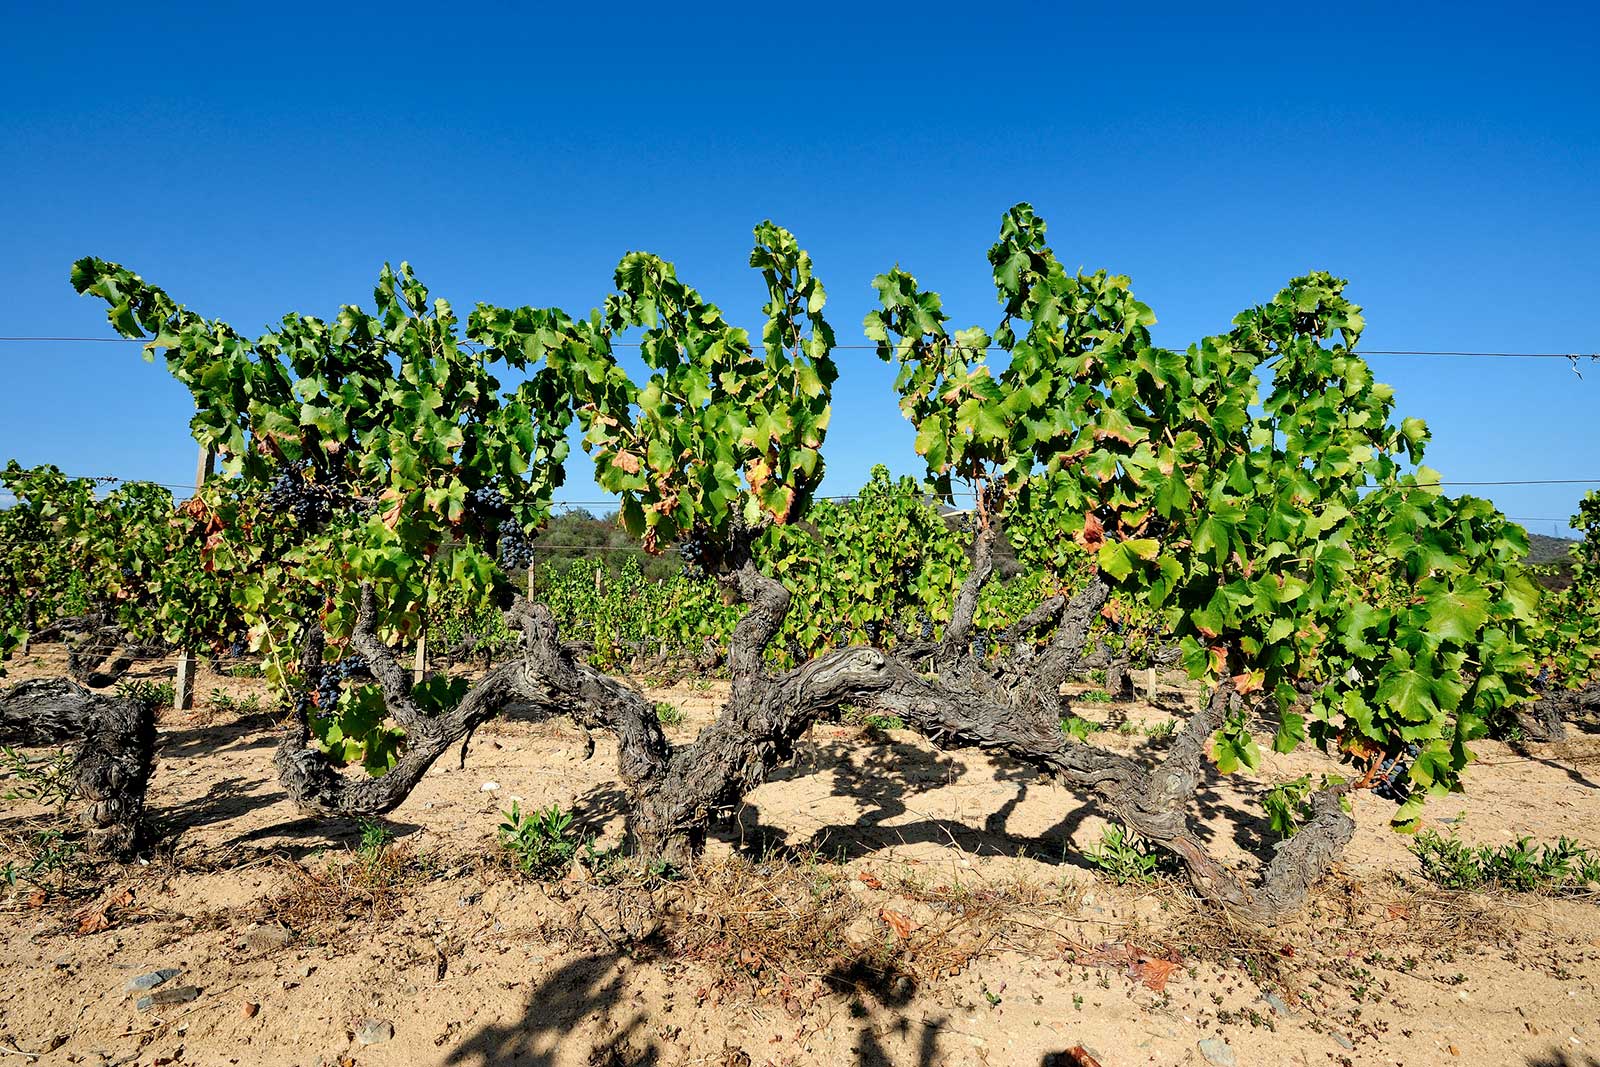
<point x="264" y="939"/>
<point x="149" y="981"/>
<point x="166" y="998"/>
<point x="374" y="1031"/>
<point x="1218" y="1051"/>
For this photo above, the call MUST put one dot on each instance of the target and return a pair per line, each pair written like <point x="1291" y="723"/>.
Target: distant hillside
<point x="1543" y="548"/>
<point x="1552" y="559"/>
<point x="580" y="534"/>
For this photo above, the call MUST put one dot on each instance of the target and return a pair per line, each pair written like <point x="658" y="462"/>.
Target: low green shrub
<point x="1523" y="866"/>
<point x="154" y="694"/>
<point x="542" y="842"/>
<point x="45" y="779"/>
<point x="1078" y="728"/>
<point x="1125" y="857"/>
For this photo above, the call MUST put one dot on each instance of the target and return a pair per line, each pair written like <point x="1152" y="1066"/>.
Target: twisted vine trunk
<point x="965" y="608"/>
<point x="1152" y="801"/>
<point x="1546" y="717"/>
<point x="1063" y="655"/>
<point x="548" y="677"/>
<point x="1119" y="683"/>
<point x="676" y="793"/>
<point x="767" y="714"/>
<point x="113" y="752"/>
<point x="1016" y="706"/>
<point x="99" y="652"/>
<point x="764" y="718"/>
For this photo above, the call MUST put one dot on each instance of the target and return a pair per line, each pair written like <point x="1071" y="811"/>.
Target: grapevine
<point x="1255" y="500"/>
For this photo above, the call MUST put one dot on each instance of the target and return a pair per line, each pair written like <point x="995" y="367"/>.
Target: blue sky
<point x="255" y="159"/>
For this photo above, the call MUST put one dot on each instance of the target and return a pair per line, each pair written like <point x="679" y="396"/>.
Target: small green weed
<point x="542" y="842"/>
<point x="1079" y="728"/>
<point x="153" y="694"/>
<point x="1124" y="856"/>
<point x="662" y="871"/>
<point x="219" y="701"/>
<point x="1523" y="866"/>
<point x="1094" y="696"/>
<point x="53" y="853"/>
<point x="43" y="779"/>
<point x="855" y="716"/>
<point x="375" y="837"/>
<point x="607" y="865"/>
<point x="668" y="714"/>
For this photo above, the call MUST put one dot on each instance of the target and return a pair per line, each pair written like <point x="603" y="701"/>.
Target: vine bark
<point x="113" y="750"/>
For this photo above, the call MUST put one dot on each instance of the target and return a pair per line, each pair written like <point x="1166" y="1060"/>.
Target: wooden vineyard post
<point x="183" y="684"/>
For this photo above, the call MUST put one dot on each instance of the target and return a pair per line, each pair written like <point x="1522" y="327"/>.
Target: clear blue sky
<point x="254" y="159"/>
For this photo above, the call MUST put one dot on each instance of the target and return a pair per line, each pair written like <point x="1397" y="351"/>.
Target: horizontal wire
<point x="959" y="492"/>
<point x="967" y="348"/>
<point x="613" y="502"/>
<point x="1514" y="481"/>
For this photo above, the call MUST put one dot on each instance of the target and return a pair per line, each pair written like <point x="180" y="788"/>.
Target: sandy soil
<point x="972" y="930"/>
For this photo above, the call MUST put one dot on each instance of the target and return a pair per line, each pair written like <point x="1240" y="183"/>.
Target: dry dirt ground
<point x="879" y="902"/>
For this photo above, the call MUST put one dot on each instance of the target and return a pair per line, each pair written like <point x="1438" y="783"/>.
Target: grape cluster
<point x="980" y="643"/>
<point x="692" y="550"/>
<point x="493" y="511"/>
<point x="237" y="650"/>
<point x="924" y="625"/>
<point x="331" y="679"/>
<point x="873" y="629"/>
<point x="487" y="501"/>
<point x="838" y="636"/>
<point x="298" y="491"/>
<point x="1393" y="783"/>
<point x="515" y="550"/>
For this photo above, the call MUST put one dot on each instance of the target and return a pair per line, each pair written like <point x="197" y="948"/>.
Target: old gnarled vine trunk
<point x="1012" y="704"/>
<point x="113" y="749"/>
<point x="1545" y="718"/>
<point x="99" y="651"/>
<point x="1152" y="801"/>
<point x="764" y="718"/>
<point x="547" y="677"/>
